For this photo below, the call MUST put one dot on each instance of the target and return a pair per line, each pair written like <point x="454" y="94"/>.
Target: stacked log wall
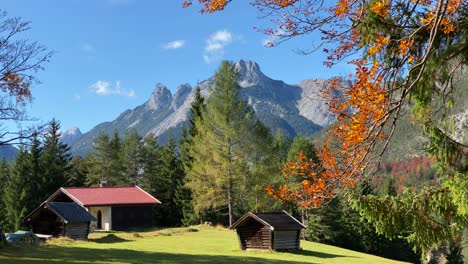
<point x="286" y="240"/>
<point x="77" y="231"/>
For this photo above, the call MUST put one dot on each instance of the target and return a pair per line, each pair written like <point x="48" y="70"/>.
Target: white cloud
<point x="215" y="44"/>
<point x="104" y="88"/>
<point x="77" y="97"/>
<point x="174" y="44"/>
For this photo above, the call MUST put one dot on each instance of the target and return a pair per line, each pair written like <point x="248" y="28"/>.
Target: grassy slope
<point x="209" y="245"/>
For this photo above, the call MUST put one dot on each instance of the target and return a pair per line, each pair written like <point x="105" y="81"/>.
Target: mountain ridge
<point x="295" y="109"/>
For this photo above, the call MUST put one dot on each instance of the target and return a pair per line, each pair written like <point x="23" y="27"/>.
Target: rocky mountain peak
<point x="72" y="131"/>
<point x="181" y="94"/>
<point x="291" y="108"/>
<point x="249" y="73"/>
<point x="71" y="136"/>
<point x="160" y="97"/>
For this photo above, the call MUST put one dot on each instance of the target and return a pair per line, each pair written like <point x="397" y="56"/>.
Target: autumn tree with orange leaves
<point x="408" y="56"/>
<point x="20" y="59"/>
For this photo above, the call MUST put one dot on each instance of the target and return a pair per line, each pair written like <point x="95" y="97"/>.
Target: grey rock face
<point x="291" y="108"/>
<point x="181" y="95"/>
<point x="70" y="136"/>
<point x="160" y="97"/>
<point x="249" y="73"/>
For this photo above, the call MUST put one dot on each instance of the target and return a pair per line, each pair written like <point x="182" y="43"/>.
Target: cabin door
<point x="99" y="220"/>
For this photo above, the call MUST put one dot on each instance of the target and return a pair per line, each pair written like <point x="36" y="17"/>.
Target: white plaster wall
<point x="106" y="213"/>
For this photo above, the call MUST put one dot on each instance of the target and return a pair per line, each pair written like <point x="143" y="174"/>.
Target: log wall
<point x="254" y="235"/>
<point x="286" y="240"/>
<point x="78" y="230"/>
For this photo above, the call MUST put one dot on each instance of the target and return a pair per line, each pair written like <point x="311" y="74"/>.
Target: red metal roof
<point x="110" y="196"/>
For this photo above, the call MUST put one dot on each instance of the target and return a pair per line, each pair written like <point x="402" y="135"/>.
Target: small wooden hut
<point x="268" y="231"/>
<point x="60" y="219"/>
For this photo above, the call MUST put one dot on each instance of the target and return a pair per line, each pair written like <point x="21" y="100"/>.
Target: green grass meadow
<point x="178" y="245"/>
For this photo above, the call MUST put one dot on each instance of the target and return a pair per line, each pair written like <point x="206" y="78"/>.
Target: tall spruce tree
<point x="196" y="111"/>
<point x="302" y="144"/>
<point x="151" y="163"/>
<point x="106" y="162"/>
<point x="152" y="170"/>
<point x="18" y="196"/>
<point x="218" y="174"/>
<point x="281" y="145"/>
<point x="132" y="156"/>
<point x="54" y="161"/>
<point x="259" y="154"/>
<point x="78" y="170"/>
<point x="171" y="175"/>
<point x="4" y="178"/>
<point x="184" y="194"/>
<point x="36" y="180"/>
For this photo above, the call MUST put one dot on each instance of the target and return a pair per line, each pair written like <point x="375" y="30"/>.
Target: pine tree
<point x="261" y="170"/>
<point x="36" y="180"/>
<point x="196" y="111"/>
<point x="171" y="175"/>
<point x="152" y="170"/>
<point x="116" y="166"/>
<point x="18" y="191"/>
<point x="183" y="193"/>
<point x="54" y="161"/>
<point x="323" y="224"/>
<point x="78" y="170"/>
<point x="304" y="145"/>
<point x="4" y="178"/>
<point x="132" y="156"/>
<point x="218" y="171"/>
<point x="151" y="163"/>
<point x="105" y="161"/>
<point x="281" y="145"/>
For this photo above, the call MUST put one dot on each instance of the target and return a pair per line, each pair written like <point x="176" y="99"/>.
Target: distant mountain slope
<point x="293" y="108"/>
<point x="409" y="140"/>
<point x="8" y="153"/>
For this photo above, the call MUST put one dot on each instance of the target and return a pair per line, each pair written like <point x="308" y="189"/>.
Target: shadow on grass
<point x="310" y="253"/>
<point x="109" y="239"/>
<point x="54" y="254"/>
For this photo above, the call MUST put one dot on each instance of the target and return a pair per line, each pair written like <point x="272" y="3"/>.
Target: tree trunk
<point x="2" y="237"/>
<point x="230" y="203"/>
<point x="229" y="175"/>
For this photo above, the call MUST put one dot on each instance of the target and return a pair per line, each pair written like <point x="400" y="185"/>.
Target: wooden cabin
<point x="268" y="231"/>
<point x="111" y="208"/>
<point x="60" y="219"/>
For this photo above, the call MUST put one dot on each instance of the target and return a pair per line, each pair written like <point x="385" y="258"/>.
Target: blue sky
<point x="109" y="54"/>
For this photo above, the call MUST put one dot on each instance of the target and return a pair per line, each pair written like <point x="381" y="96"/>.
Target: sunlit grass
<point x="200" y="244"/>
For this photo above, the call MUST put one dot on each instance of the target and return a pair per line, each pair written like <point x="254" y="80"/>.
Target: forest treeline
<point x="215" y="172"/>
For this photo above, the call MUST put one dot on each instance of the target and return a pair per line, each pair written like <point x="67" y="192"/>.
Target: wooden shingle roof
<point x="70" y="212"/>
<point x="275" y="220"/>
